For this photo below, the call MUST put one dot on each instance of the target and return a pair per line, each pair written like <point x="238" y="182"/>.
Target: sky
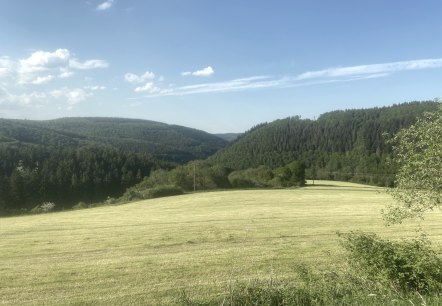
<point x="219" y="66"/>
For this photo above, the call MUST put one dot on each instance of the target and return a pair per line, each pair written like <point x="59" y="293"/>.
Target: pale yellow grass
<point x="147" y="252"/>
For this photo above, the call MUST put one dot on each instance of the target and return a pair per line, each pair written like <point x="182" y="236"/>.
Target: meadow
<point x="148" y="252"/>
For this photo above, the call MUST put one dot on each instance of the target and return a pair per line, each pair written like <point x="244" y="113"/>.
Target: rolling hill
<point x="69" y="160"/>
<point x="342" y="145"/>
<point x="168" y="142"/>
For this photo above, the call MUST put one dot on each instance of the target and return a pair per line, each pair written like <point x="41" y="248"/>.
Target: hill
<point x="69" y="160"/>
<point x="168" y="142"/>
<point x="228" y="136"/>
<point x="342" y="145"/>
<point x="146" y="253"/>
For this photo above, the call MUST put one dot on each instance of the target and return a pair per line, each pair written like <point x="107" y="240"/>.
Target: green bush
<point x="133" y="195"/>
<point x="164" y="191"/>
<point x="407" y="265"/>
<point x="136" y="193"/>
<point x="80" y="205"/>
<point x="341" y="287"/>
<point x="43" y="208"/>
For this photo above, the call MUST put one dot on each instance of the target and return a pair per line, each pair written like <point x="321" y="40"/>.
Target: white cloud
<point x="208" y="71"/>
<point x="134" y="78"/>
<point x="89" y="64"/>
<point x="95" y="88"/>
<point x="65" y="95"/>
<point x="33" y="99"/>
<point x="43" y="61"/>
<point x="71" y="96"/>
<point x="371" y="69"/>
<point x="43" y="80"/>
<point x="77" y="95"/>
<point x="148" y="87"/>
<point x="105" y="5"/>
<point x="65" y="74"/>
<point x="205" y="72"/>
<point x="6" y="66"/>
<point x="36" y="68"/>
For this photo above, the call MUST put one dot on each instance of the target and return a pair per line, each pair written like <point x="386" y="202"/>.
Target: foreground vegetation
<point x="203" y="247"/>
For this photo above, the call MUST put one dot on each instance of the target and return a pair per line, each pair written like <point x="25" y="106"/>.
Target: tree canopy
<point x="418" y="153"/>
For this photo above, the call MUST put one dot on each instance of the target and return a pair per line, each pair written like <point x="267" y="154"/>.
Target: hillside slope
<point x="69" y="160"/>
<point x="147" y="253"/>
<point x="344" y="145"/>
<point x="168" y="142"/>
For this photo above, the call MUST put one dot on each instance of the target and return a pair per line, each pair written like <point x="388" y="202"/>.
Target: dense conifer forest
<point x="347" y="145"/>
<point x="88" y="159"/>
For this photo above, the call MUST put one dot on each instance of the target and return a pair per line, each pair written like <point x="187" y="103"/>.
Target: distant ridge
<point x="168" y="142"/>
<point x="228" y="136"/>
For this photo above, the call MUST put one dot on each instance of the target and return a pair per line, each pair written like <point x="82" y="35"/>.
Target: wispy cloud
<point x="148" y="87"/>
<point x="105" y="5"/>
<point x="43" y="79"/>
<point x="35" y="99"/>
<point x="372" y="69"/>
<point x="329" y="75"/>
<point x="134" y="78"/>
<point x="89" y="64"/>
<point x="227" y="86"/>
<point x="205" y="72"/>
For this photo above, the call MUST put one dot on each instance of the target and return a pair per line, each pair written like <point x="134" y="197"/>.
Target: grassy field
<point x="148" y="252"/>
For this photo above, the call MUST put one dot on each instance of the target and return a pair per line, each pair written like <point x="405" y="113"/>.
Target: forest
<point x="348" y="145"/>
<point x="72" y="160"/>
<point x="68" y="160"/>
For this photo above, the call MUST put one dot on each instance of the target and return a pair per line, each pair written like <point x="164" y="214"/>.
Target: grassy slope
<point x="146" y="252"/>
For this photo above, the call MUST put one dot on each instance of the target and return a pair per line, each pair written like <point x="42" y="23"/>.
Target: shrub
<point x="132" y="195"/>
<point x="164" y="191"/>
<point x="110" y="201"/>
<point x="321" y="289"/>
<point x="80" y="205"/>
<point x="44" y="208"/>
<point x="135" y="194"/>
<point x="407" y="265"/>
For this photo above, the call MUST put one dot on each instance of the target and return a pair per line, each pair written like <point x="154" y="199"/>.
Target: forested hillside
<point x="342" y="145"/>
<point x="168" y="142"/>
<point x="69" y="160"/>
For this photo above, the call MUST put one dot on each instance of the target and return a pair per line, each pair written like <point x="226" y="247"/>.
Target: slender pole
<point x="194" y="177"/>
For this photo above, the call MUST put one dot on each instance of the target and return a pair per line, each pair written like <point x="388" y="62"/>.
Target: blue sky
<point x="219" y="66"/>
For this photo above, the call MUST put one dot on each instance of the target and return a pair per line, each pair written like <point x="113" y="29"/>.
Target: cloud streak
<point x="329" y="75"/>
<point x="372" y="69"/>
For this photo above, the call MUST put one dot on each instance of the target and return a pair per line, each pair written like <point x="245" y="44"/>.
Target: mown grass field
<point x="148" y="252"/>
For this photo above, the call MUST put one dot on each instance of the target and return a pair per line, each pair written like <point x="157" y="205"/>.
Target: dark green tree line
<point x="33" y="174"/>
